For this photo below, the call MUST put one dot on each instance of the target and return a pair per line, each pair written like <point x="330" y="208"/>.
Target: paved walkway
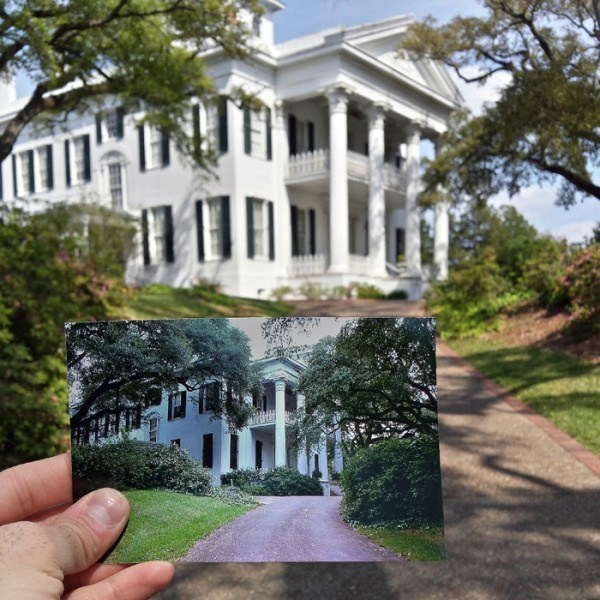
<point x="522" y="514"/>
<point x="292" y="529"/>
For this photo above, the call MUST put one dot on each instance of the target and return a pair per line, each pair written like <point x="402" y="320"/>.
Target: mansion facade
<point x="319" y="185"/>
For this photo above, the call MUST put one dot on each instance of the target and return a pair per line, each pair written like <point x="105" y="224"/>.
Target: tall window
<point x="257" y="133"/>
<point x="112" y="123"/>
<point x="207" y="450"/>
<point x="209" y="396"/>
<point x="177" y="404"/>
<point x="115" y="185"/>
<point x="215" y="231"/>
<point x="78" y="160"/>
<point x="216" y="125"/>
<point x="260" y="226"/>
<point x="233" y="451"/>
<point x="153" y="147"/>
<point x="26" y="162"/>
<point x="153" y="429"/>
<point x="44" y="167"/>
<point x="213" y="228"/>
<point x="79" y="148"/>
<point x="155" y="142"/>
<point x="157" y="235"/>
<point x="303" y="231"/>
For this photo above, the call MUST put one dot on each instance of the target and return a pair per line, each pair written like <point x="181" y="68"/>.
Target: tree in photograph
<point x="375" y="380"/>
<point x="546" y="121"/>
<point x="149" y="53"/>
<point x="128" y="364"/>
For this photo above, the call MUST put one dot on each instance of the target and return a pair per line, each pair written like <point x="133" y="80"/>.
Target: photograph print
<point x="261" y="440"/>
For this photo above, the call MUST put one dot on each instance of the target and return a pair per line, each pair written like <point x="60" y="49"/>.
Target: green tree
<point x="147" y="52"/>
<point x="125" y="364"/>
<point x="45" y="280"/>
<point x="545" y="123"/>
<point x="375" y="379"/>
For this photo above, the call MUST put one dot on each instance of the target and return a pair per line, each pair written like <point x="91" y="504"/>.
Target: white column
<point x="245" y="443"/>
<point x="225" y="442"/>
<point x="280" y="424"/>
<point x="302" y="456"/>
<point x="338" y="460"/>
<point x="281" y="151"/>
<point x="441" y="235"/>
<point x="338" y="182"/>
<point x="413" y="215"/>
<point x="376" y="192"/>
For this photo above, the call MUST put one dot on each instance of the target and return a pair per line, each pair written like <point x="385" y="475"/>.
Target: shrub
<point x="367" y="291"/>
<point x="397" y="295"/>
<point x="312" y="290"/>
<point x="340" y="292"/>
<point x="128" y="464"/>
<point x="283" y="481"/>
<point x="233" y="496"/>
<point x="241" y="477"/>
<point x="582" y="282"/>
<point x="394" y="482"/>
<point x="280" y="292"/>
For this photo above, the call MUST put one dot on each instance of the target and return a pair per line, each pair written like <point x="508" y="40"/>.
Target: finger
<point x="137" y="582"/>
<point x="91" y="575"/>
<point x="86" y="530"/>
<point x="33" y="487"/>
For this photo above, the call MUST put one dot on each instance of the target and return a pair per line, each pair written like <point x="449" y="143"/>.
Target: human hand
<point x="52" y="554"/>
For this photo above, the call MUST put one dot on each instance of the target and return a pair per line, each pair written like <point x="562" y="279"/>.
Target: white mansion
<point x="318" y="186"/>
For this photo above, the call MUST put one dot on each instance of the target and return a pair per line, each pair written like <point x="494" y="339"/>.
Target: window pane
<point x="216" y="234"/>
<point x="115" y="185"/>
<point x="160" y="233"/>
<point x="79" y="159"/>
<point x="155" y="146"/>
<point x="112" y="127"/>
<point x="259" y="227"/>
<point x="42" y="156"/>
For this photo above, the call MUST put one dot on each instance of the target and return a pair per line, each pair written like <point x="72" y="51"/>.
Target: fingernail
<point x="107" y="508"/>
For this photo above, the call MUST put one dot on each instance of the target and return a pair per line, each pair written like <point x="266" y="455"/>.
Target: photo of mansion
<point x="319" y="185"/>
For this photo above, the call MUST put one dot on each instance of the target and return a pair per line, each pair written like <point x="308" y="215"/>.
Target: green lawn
<point x="163" y="302"/>
<point x="412" y="544"/>
<point x="165" y="525"/>
<point x="560" y="387"/>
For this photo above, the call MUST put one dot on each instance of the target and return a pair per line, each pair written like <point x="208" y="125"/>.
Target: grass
<point x="163" y="302"/>
<point x="562" y="388"/>
<point x="426" y="543"/>
<point x="165" y="525"/>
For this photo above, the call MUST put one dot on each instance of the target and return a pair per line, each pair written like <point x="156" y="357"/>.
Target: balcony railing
<point x="315" y="165"/>
<point x="268" y="417"/>
<point x="308" y="264"/>
<point x="359" y="264"/>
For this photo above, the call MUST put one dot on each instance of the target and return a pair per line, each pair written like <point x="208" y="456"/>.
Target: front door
<point x="259" y="454"/>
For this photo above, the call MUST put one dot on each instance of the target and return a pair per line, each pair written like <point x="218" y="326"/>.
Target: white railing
<point x="358" y="166"/>
<point x="308" y="164"/>
<point x="308" y="264"/>
<point x="359" y="264"/>
<point x="267" y="417"/>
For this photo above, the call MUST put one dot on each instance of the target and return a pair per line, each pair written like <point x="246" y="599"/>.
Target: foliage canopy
<point x="545" y="124"/>
<point x="77" y="52"/>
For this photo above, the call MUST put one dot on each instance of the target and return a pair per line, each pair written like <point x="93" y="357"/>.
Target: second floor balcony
<point x="268" y="417"/>
<point x="314" y="165"/>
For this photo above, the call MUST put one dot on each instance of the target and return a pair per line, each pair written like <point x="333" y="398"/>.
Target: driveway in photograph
<point x="289" y="529"/>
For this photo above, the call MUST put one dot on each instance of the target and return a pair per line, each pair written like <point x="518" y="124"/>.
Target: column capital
<point x="280" y="385"/>
<point x="338" y="98"/>
<point x="413" y="131"/>
<point x="376" y="114"/>
<point x="280" y="109"/>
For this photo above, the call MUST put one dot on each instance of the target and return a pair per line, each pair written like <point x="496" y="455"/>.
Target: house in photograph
<point x="320" y="185"/>
<point x="184" y="418"/>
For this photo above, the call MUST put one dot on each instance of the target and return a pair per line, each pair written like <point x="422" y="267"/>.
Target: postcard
<point x="260" y="440"/>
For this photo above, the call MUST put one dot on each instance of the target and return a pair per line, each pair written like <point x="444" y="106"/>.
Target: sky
<point x="301" y="17"/>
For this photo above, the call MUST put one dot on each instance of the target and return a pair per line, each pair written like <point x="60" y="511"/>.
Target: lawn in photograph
<point x="205" y="424"/>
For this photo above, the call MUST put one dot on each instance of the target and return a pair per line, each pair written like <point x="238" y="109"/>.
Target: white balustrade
<point x="308" y="164"/>
<point x="393" y="177"/>
<point x="267" y="417"/>
<point x="308" y="264"/>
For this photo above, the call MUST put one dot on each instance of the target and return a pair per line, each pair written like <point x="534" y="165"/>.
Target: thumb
<point x="86" y="530"/>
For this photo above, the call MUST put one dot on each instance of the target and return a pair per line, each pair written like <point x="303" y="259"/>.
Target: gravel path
<point x="291" y="529"/>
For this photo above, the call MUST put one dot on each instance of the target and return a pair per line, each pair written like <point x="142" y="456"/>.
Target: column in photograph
<point x="441" y="235"/>
<point x="302" y="457"/>
<point x="245" y="442"/>
<point x="338" y="460"/>
<point x="376" y="192"/>
<point x="225" y="445"/>
<point x="413" y="216"/>
<point x="280" y="450"/>
<point x="338" y="182"/>
<point x="282" y="207"/>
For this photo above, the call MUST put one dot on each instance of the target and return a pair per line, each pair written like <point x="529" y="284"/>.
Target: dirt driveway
<point x="290" y="529"/>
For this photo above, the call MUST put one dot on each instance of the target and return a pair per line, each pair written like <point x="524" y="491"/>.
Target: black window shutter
<point x="145" y="240"/>
<point x="271" y="231"/>
<point x="68" y="162"/>
<point x="201" y="397"/>
<point x="200" y="230"/>
<point x="170" y="413"/>
<point x="223" y="134"/>
<point x="312" y="230"/>
<point x="197" y="135"/>
<point x="31" y="174"/>
<point x="165" y="157"/>
<point x="268" y="116"/>
<point x="183" y="403"/>
<point x="207" y="450"/>
<point x="294" y="230"/>
<point x="1" y="184"/>
<point x="311" y="136"/>
<point x="120" y="119"/>
<point x="87" y="158"/>
<point x="250" y="226"/>
<point x="142" y="147"/>
<point x="14" y="170"/>
<point x="169" y="234"/>
<point x="247" y="131"/>
<point x="292" y="136"/>
<point x="226" y="225"/>
<point x="49" y="166"/>
<point x="99" y="128"/>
